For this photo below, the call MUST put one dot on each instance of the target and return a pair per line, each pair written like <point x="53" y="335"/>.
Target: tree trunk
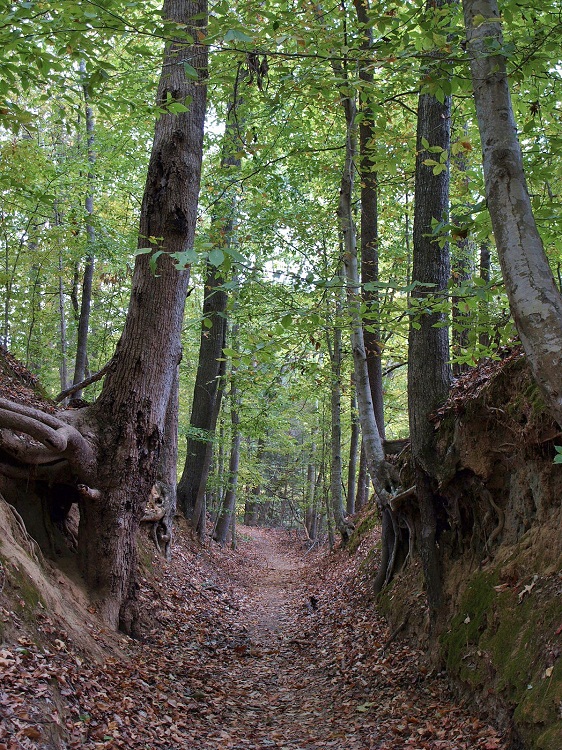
<point x="429" y="373"/>
<point x="130" y="413"/>
<point x="353" y="451"/>
<point x="369" y="223"/>
<point x="228" y="509"/>
<point x="484" y="335"/>
<point x="63" y="366"/>
<point x="462" y="270"/>
<point x="212" y="340"/>
<point x="535" y="301"/>
<point x="369" y="429"/>
<point x="252" y="505"/>
<point x="335" y="441"/>
<point x="362" y="494"/>
<point x="87" y="283"/>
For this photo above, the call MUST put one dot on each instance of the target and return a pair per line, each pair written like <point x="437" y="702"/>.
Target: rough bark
<point x="369" y="223"/>
<point x="128" y="420"/>
<point x="535" y="301"/>
<point x="212" y="341"/>
<point x="429" y="373"/>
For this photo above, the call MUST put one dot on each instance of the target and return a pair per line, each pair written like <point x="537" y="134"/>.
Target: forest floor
<point x="263" y="647"/>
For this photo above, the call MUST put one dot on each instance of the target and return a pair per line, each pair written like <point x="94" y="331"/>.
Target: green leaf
<point x="153" y="260"/>
<point x="190" y="71"/>
<point x="175" y="108"/>
<point x="216" y="257"/>
<point x="185" y="258"/>
<point x="237" y="35"/>
<point x="235" y="255"/>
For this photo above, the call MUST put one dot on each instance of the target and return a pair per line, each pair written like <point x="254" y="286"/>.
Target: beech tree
<point x="109" y="455"/>
<point x="535" y="301"/>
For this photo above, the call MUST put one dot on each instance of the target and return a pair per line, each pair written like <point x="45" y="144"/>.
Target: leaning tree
<point x="107" y="456"/>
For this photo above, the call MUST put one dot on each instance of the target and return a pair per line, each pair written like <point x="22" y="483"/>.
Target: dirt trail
<point x="272" y="587"/>
<point x="302" y="679"/>
<point x="237" y="659"/>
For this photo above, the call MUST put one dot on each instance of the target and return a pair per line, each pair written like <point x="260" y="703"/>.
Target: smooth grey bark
<point x="199" y="518"/>
<point x="87" y="282"/>
<point x="484" y="338"/>
<point x="362" y="494"/>
<point x="371" y="438"/>
<point x="336" y="496"/>
<point x="462" y="269"/>
<point x="534" y="299"/>
<point x="63" y="339"/>
<point x="353" y="453"/>
<point x="311" y="512"/>
<point x="228" y="509"/>
<point x="253" y="502"/>
<point x="429" y="373"/>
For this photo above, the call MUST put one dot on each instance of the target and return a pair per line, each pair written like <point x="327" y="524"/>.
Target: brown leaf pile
<point x="237" y="656"/>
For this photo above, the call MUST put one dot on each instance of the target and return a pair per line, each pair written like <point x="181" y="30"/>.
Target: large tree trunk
<point x="215" y="300"/>
<point x="535" y="301"/>
<point x="129" y="417"/>
<point x="428" y="371"/>
<point x="108" y="456"/>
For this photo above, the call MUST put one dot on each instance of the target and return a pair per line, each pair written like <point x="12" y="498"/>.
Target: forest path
<point x="235" y="658"/>
<point x="301" y="678"/>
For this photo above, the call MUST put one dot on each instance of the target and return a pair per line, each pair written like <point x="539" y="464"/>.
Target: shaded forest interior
<point x="281" y="284"/>
<point x="280" y="643"/>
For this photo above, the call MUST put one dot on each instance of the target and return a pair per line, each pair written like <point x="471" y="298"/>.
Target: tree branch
<point x="88" y="381"/>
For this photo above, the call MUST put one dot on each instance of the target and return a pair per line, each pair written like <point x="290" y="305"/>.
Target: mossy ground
<point x="366" y="524"/>
<point x="504" y="637"/>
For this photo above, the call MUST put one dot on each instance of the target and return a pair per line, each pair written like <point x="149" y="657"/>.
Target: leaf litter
<point x="262" y="647"/>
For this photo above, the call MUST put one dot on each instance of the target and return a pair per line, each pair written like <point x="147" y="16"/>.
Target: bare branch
<point x="88" y="381"/>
